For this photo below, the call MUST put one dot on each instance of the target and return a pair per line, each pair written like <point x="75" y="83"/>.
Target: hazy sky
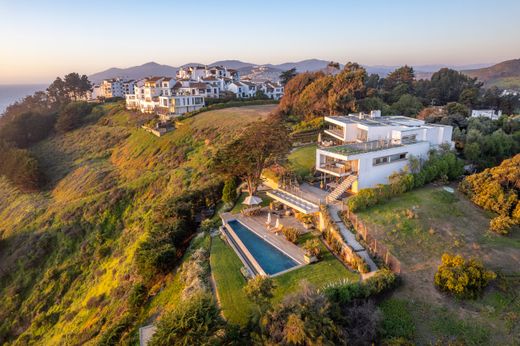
<point x="41" y="39"/>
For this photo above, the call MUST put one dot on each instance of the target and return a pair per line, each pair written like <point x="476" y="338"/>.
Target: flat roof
<point x="394" y="120"/>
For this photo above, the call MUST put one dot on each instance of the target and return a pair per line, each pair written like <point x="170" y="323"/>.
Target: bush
<point x="195" y="321"/>
<point x="138" y="295"/>
<point x="229" y="192"/>
<point x="71" y="117"/>
<point x="440" y="165"/>
<point x="462" y="278"/>
<point x="291" y="234"/>
<point x="20" y="167"/>
<point x="313" y="248"/>
<point x="260" y="291"/>
<point x="501" y="224"/>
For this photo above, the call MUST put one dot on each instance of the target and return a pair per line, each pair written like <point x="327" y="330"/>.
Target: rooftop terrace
<point x="364" y="147"/>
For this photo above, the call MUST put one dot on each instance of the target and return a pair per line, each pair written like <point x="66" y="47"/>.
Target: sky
<point x="41" y="39"/>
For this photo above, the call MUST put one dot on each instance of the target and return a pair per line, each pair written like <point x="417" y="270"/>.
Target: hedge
<point x="440" y="165"/>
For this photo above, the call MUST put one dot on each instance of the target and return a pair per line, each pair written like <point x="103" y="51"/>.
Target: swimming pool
<point x="268" y="257"/>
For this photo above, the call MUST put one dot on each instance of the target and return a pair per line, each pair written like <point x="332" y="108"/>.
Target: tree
<point x="72" y="87"/>
<point x="408" y="105"/>
<point x="402" y="75"/>
<point x="347" y="87"/>
<point x="20" y="167"/>
<point x="302" y="318"/>
<point x="286" y="76"/>
<point x="462" y="278"/>
<point x="260" y="145"/>
<point x="449" y="84"/>
<point x="260" y="291"/>
<point x="293" y="90"/>
<point x="229" y="192"/>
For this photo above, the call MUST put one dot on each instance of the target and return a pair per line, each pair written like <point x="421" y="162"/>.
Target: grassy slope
<point x="57" y="286"/>
<point x="449" y="223"/>
<point x="303" y="159"/>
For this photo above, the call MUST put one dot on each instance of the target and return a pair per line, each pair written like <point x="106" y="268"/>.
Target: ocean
<point x="10" y="93"/>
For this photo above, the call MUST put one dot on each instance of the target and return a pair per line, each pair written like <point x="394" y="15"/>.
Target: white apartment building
<point x="116" y="87"/>
<point x="486" y="113"/>
<point x="165" y="96"/>
<point x="272" y="90"/>
<point x="371" y="148"/>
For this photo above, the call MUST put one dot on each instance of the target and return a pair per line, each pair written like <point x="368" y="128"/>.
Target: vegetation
<point x="424" y="223"/>
<point x="259" y="290"/>
<point x="496" y="189"/>
<point x="291" y="234"/>
<point x="463" y="278"/>
<point x="71" y="117"/>
<point x="261" y="144"/>
<point x="229" y="193"/>
<point x="440" y="165"/>
<point x="20" y="167"/>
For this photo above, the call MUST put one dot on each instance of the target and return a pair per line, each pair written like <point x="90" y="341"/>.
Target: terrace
<point x="365" y="147"/>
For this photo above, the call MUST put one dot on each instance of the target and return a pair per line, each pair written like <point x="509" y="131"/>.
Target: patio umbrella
<point x="319" y="138"/>
<point x="277" y="225"/>
<point x="252" y="200"/>
<point x="268" y="218"/>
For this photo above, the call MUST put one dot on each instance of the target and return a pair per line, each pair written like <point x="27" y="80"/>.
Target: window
<point x="408" y="139"/>
<point x="362" y="135"/>
<point x="389" y="159"/>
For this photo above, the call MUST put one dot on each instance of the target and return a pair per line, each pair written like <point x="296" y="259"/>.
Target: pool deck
<point x="258" y="226"/>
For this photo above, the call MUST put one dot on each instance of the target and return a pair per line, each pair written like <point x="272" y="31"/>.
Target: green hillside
<point x="505" y="75"/>
<point x="67" y="272"/>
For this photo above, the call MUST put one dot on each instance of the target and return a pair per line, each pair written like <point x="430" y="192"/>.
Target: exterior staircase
<point x="341" y="188"/>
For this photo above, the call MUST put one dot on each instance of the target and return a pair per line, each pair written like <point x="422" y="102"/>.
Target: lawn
<point x="225" y="268"/>
<point x="302" y="160"/>
<point x="418" y="227"/>
<point x="226" y="265"/>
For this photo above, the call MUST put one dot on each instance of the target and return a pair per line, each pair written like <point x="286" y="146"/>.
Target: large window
<point x="388" y="159"/>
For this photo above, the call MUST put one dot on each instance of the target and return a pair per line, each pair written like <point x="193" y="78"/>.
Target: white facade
<point x="116" y="87"/>
<point x="166" y="96"/>
<point x="372" y="148"/>
<point x="486" y="113"/>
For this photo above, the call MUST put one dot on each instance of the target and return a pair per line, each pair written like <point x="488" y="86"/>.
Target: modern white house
<point x="486" y="113"/>
<point x="272" y="90"/>
<point x="369" y="148"/>
<point x="360" y="151"/>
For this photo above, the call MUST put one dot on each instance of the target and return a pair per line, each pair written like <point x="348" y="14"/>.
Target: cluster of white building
<point x="186" y="92"/>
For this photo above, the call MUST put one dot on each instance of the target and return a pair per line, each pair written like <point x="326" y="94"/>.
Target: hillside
<point x="503" y="75"/>
<point x="67" y="269"/>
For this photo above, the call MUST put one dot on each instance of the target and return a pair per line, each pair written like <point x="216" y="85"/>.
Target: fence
<point x="367" y="233"/>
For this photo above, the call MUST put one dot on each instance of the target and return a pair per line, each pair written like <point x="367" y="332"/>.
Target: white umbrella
<point x="252" y="200"/>
<point x="268" y="218"/>
<point x="277" y="225"/>
<point x="319" y="138"/>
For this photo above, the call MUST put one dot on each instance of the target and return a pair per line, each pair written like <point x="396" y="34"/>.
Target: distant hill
<point x="504" y="75"/>
<point x="135" y="72"/>
<point x="272" y="71"/>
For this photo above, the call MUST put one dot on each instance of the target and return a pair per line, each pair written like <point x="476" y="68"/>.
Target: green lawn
<point x="418" y="227"/>
<point x="225" y="266"/>
<point x="302" y="160"/>
<point x="236" y="308"/>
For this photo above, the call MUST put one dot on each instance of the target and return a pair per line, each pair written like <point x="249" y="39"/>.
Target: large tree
<point x="348" y="87"/>
<point x="260" y="144"/>
<point x="286" y="76"/>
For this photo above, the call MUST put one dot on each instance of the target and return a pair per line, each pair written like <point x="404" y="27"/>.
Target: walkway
<point x="293" y="201"/>
<point x="349" y="237"/>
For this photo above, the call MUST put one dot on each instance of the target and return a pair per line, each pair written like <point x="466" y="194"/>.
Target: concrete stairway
<point x="341" y="188"/>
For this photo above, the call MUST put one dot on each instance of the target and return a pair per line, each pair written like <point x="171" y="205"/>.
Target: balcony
<point x="365" y="147"/>
<point x="336" y="132"/>
<point x="336" y="169"/>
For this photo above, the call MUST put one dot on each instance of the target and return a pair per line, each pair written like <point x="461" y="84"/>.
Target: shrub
<point x="462" y="278"/>
<point x="440" y="165"/>
<point x="291" y="234"/>
<point x="71" y="117"/>
<point x="501" y="224"/>
<point x="195" y="321"/>
<point x="20" y="167"/>
<point x="138" y="295"/>
<point x="229" y="192"/>
<point x="260" y="291"/>
<point x="313" y="248"/>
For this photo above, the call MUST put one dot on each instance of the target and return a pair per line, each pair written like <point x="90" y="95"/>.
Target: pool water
<point x="268" y="257"/>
